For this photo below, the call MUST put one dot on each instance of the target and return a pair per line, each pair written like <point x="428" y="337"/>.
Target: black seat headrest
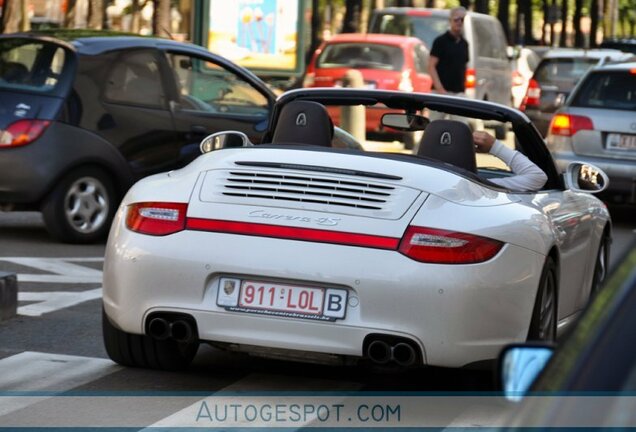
<point x="303" y="122"/>
<point x="449" y="141"/>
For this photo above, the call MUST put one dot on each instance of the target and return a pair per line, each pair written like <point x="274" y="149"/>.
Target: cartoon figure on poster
<point x="257" y="27"/>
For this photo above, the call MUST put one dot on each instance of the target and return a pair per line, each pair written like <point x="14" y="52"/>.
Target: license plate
<point x="621" y="142"/>
<point x="295" y="301"/>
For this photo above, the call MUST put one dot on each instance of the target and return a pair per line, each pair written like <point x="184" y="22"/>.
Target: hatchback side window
<point x="135" y="79"/>
<point x="206" y="86"/>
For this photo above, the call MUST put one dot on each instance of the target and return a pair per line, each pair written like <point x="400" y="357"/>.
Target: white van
<point x="489" y="69"/>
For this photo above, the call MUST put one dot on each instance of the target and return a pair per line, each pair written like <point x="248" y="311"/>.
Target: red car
<point x="387" y="62"/>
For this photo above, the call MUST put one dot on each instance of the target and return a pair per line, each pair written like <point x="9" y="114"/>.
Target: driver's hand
<point x="483" y="141"/>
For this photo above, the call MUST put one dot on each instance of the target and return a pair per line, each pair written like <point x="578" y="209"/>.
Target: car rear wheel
<point x="544" y="316"/>
<point x="81" y="207"/>
<point x="143" y="351"/>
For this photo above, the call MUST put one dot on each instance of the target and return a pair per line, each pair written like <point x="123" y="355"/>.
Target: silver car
<point x="597" y="124"/>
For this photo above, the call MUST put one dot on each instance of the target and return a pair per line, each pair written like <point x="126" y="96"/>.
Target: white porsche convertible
<point x="296" y="248"/>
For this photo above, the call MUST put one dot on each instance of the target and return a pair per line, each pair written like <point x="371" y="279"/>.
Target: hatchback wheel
<point x="143" y="351"/>
<point x="544" y="316"/>
<point x="81" y="207"/>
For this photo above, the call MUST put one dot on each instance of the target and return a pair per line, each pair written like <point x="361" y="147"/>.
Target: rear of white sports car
<point x="322" y="255"/>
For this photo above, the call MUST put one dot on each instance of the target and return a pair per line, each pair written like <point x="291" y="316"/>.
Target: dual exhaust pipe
<point x="382" y="352"/>
<point x="180" y="330"/>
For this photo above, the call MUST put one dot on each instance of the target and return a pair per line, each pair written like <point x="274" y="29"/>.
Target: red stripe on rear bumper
<point x="293" y="233"/>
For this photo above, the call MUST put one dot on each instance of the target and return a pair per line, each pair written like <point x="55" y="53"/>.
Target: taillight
<point x="533" y="95"/>
<point x="405" y="82"/>
<point x="568" y="124"/>
<point x="156" y="218"/>
<point x="471" y="78"/>
<point x="22" y="132"/>
<point x="517" y="79"/>
<point x="447" y="247"/>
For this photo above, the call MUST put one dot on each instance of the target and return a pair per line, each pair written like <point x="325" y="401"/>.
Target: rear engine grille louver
<point x="308" y="189"/>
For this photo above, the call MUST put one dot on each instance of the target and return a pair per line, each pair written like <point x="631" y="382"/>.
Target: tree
<point x="564" y="23"/>
<point x="503" y="14"/>
<point x="594" y="16"/>
<point x="481" y="6"/>
<point x="351" y="22"/>
<point x="11" y="16"/>
<point x="161" y="18"/>
<point x="465" y="3"/>
<point x="524" y="11"/>
<point x="96" y="14"/>
<point x="579" y="41"/>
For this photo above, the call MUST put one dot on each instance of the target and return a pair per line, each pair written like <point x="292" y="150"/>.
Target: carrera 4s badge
<point x="325" y="221"/>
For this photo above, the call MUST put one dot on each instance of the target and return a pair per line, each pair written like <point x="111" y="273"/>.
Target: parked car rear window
<point x="31" y="65"/>
<point x="612" y="90"/>
<point x="362" y="55"/>
<point x="426" y="28"/>
<point x="563" y="69"/>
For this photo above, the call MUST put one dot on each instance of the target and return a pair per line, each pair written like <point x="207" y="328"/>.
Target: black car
<point x="555" y="77"/>
<point x="84" y="115"/>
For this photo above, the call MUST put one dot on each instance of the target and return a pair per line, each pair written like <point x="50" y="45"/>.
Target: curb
<point x="8" y="295"/>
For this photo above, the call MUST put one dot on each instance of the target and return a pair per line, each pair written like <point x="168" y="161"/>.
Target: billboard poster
<point x="256" y="34"/>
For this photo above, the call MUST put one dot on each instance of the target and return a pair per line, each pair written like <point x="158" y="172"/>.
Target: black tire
<point x="600" y="268"/>
<point x="544" y="316"/>
<point x="81" y="207"/>
<point x="145" y="352"/>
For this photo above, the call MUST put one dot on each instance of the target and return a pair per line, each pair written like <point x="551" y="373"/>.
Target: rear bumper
<point x="456" y="315"/>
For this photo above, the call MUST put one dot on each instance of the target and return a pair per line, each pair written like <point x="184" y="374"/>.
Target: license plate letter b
<point x="335" y="303"/>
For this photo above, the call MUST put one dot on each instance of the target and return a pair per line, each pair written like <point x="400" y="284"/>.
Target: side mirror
<point x="584" y="177"/>
<point x="405" y="122"/>
<point x="226" y="139"/>
<point x="513" y="53"/>
<point x="519" y="366"/>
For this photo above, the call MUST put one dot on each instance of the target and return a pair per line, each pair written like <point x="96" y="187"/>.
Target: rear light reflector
<point x="293" y="233"/>
<point x="22" y="132"/>
<point x="156" y="218"/>
<point x="568" y="124"/>
<point x="471" y="78"/>
<point x="447" y="247"/>
<point x="533" y="95"/>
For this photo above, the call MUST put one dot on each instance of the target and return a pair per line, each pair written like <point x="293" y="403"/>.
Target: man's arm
<point x="528" y="176"/>
<point x="432" y="71"/>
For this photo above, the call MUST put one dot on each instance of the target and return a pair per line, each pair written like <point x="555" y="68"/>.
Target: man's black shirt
<point x="453" y="56"/>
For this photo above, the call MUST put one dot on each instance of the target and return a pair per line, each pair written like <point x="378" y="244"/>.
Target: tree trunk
<point x="464" y="3"/>
<point x="96" y="14"/>
<point x="503" y="14"/>
<point x="404" y="3"/>
<point x="161" y="18"/>
<point x="579" y="41"/>
<point x="430" y="3"/>
<point x="526" y="10"/>
<point x="544" y="38"/>
<point x="11" y="16"/>
<point x="69" y="16"/>
<point x="352" y="16"/>
<point x="481" y="6"/>
<point x="594" y="19"/>
<point x="564" y="23"/>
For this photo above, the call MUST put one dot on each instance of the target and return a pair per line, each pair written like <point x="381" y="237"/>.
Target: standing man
<point x="449" y="56"/>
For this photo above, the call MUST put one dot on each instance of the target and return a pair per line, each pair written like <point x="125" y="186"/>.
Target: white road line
<point x="51" y="301"/>
<point x="34" y="371"/>
<point x="63" y="269"/>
